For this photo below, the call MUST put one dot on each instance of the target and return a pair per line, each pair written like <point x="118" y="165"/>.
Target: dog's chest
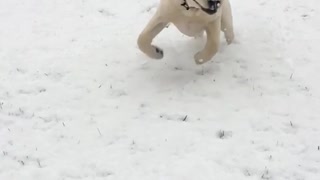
<point x="189" y="28"/>
<point x="191" y="22"/>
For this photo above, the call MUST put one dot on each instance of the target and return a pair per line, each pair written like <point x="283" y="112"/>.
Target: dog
<point x="192" y="18"/>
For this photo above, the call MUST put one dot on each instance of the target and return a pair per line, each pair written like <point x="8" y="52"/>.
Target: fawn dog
<point x="192" y="18"/>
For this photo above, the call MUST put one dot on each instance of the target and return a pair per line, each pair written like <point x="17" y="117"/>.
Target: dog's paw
<point x="229" y="37"/>
<point x="158" y="53"/>
<point x="199" y="58"/>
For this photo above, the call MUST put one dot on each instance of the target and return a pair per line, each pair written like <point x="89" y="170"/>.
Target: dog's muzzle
<point x="213" y="6"/>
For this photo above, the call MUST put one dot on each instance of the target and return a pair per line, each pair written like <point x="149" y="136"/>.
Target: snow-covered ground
<point x="78" y="100"/>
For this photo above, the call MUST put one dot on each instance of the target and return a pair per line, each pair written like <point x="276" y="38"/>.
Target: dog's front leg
<point x="227" y="22"/>
<point x="212" y="44"/>
<point x="153" y="28"/>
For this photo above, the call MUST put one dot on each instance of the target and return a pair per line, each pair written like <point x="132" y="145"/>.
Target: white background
<point x="78" y="100"/>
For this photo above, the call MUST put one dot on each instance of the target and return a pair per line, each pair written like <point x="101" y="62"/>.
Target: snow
<point x="78" y="100"/>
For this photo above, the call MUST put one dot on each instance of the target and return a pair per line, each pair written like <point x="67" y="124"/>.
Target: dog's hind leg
<point x="227" y="22"/>
<point x="153" y="28"/>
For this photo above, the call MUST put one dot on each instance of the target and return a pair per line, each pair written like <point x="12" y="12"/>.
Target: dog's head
<point x="208" y="6"/>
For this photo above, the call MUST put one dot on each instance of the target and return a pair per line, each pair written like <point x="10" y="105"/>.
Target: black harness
<point x="212" y="4"/>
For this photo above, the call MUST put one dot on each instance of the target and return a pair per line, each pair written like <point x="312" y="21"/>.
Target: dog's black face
<point x="210" y="8"/>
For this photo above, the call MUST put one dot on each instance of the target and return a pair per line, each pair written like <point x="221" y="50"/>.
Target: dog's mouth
<point x="213" y="6"/>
